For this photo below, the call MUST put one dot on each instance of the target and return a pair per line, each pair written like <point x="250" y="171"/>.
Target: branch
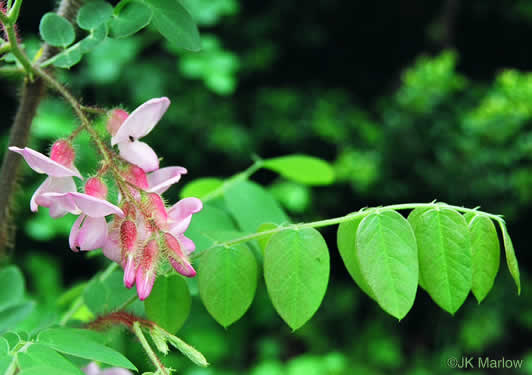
<point x="32" y="93"/>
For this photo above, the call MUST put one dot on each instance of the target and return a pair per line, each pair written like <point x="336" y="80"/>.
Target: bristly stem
<point x="147" y="348"/>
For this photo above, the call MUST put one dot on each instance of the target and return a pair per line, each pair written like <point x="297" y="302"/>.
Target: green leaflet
<point x="81" y="344"/>
<point x="172" y="20"/>
<point x="227" y="280"/>
<point x="387" y="254"/>
<point x="252" y="206"/>
<point x="511" y="260"/>
<point x="346" y="239"/>
<point x="296" y="271"/>
<point x="413" y="219"/>
<point x="486" y="255"/>
<point x="56" y="30"/>
<point x="38" y="356"/>
<point x="132" y="17"/>
<point x="12" y="290"/>
<point x="169" y="303"/>
<point x="444" y="250"/>
<point x="209" y="220"/>
<point x="94" y="14"/>
<point x="105" y="296"/>
<point x="201" y="187"/>
<point x="304" y="169"/>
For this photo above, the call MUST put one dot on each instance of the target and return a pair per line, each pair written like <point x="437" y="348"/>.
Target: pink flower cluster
<point x="142" y="232"/>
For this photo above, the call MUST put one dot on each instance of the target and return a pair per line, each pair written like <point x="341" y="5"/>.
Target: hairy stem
<point x="32" y="93"/>
<point x="147" y="348"/>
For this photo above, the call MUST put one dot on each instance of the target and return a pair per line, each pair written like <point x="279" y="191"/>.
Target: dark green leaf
<point x="175" y="24"/>
<point x="348" y="251"/>
<point x="169" y="303"/>
<point x="12" y="290"/>
<point x="56" y="30"/>
<point x="133" y="17"/>
<point x="201" y="187"/>
<point x="387" y="254"/>
<point x="78" y="344"/>
<point x="296" y="271"/>
<point x="511" y="260"/>
<point x="302" y="168"/>
<point x="486" y="255"/>
<point x="252" y="206"/>
<point x="227" y="281"/>
<point x="39" y="355"/>
<point x="444" y="249"/>
<point x="94" y="14"/>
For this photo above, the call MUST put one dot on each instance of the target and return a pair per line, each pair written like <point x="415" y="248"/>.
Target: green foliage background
<point x="408" y="106"/>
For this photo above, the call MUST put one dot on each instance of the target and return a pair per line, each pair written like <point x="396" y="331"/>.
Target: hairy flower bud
<point x="63" y="153"/>
<point x="96" y="187"/>
<point x="136" y="176"/>
<point x="146" y="273"/>
<point x="115" y="120"/>
<point x="129" y="210"/>
<point x="177" y="258"/>
<point x="128" y="241"/>
<point x="158" y="210"/>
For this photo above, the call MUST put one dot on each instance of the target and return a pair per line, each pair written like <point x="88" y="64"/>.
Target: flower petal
<point x="180" y="214"/>
<point x="43" y="164"/>
<point x="95" y="207"/>
<point x="187" y="245"/>
<point x="140" y="154"/>
<point x="111" y="248"/>
<point x="161" y="179"/>
<point x="92" y="234"/>
<point x="142" y="120"/>
<point x="49" y="188"/>
<point x="74" y="233"/>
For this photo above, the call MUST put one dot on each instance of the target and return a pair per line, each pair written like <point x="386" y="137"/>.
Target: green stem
<point x="11" y="72"/>
<point x="233" y="180"/>
<point x="15" y="11"/>
<point x="352" y="216"/>
<point x="126" y="303"/>
<point x="5" y="47"/>
<point x="15" y="49"/>
<point x="147" y="348"/>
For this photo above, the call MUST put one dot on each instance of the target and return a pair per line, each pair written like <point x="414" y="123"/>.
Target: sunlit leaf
<point x="511" y="260"/>
<point x="346" y="239"/>
<point x="38" y="355"/>
<point x="486" y="255"/>
<point x="56" y="30"/>
<point x="227" y="280"/>
<point x="169" y="303"/>
<point x="387" y="254"/>
<point x="444" y="249"/>
<point x="263" y="241"/>
<point x="296" y="271"/>
<point x="304" y="169"/>
<point x="252" y="206"/>
<point x="201" y="187"/>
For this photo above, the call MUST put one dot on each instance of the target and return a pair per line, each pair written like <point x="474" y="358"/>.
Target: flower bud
<point x="96" y="187"/>
<point x="145" y="276"/>
<point x="158" y="210"/>
<point x="177" y="258"/>
<point x="129" y="210"/>
<point x="115" y="120"/>
<point x="63" y="153"/>
<point x="128" y="241"/>
<point x="136" y="176"/>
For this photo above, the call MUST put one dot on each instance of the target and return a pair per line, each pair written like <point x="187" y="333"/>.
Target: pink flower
<point x="93" y="369"/>
<point x="138" y="124"/>
<point x="60" y="169"/>
<point x="89" y="231"/>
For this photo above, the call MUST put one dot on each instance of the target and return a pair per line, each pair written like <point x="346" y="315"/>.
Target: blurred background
<point x="411" y="101"/>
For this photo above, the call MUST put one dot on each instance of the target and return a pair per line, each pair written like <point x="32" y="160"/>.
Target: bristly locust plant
<point x="224" y="233"/>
